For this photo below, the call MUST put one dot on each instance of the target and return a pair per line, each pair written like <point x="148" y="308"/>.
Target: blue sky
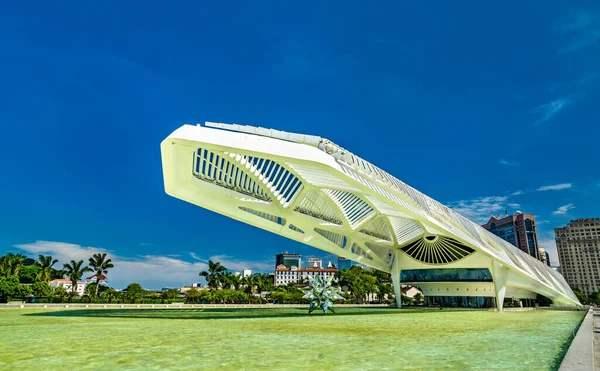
<point x="482" y="107"/>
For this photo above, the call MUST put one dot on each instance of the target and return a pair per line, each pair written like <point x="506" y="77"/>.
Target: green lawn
<point x="355" y="338"/>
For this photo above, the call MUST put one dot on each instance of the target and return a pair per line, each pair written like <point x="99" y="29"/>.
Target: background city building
<point x="80" y="289"/>
<point x="285" y="275"/>
<point x="92" y="279"/>
<point x="288" y="260"/>
<point x="518" y="229"/>
<point x="315" y="263"/>
<point x="343" y="263"/>
<point x="578" y="246"/>
<point x="544" y="256"/>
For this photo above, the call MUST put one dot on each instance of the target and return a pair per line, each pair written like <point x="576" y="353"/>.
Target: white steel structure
<point x="311" y="190"/>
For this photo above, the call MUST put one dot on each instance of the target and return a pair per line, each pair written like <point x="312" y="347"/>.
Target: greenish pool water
<point x="355" y="338"/>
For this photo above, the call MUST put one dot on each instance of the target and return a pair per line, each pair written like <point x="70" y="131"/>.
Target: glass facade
<point x="530" y="237"/>
<point x="506" y="232"/>
<point x="460" y="301"/>
<point x="446" y="275"/>
<point x="288" y="260"/>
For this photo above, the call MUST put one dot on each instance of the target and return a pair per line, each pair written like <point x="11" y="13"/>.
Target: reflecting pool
<point x="367" y="338"/>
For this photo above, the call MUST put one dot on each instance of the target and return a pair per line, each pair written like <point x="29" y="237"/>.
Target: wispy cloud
<point x="555" y="187"/>
<point x="550" y="109"/>
<point x="152" y="271"/>
<point x="563" y="209"/>
<point x="238" y="265"/>
<point x="480" y="209"/>
<point x="552" y="187"/>
<point x="580" y="30"/>
<point x="508" y="163"/>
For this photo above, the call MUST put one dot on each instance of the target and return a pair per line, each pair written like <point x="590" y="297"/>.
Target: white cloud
<point x="563" y="209"/>
<point x="152" y="271"/>
<point x="555" y="187"/>
<point x="517" y="193"/>
<point x="508" y="163"/>
<point x="548" y="110"/>
<point x="239" y="265"/>
<point x="480" y="209"/>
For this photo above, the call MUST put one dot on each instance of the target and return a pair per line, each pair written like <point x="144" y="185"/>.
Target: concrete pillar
<point x="396" y="278"/>
<point x="500" y="272"/>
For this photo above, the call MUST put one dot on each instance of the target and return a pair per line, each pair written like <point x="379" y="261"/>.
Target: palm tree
<point x="110" y="294"/>
<point x="74" y="271"/>
<point x="264" y="282"/>
<point x="236" y="281"/>
<point x="12" y="264"/>
<point x="214" y="275"/>
<point x="231" y="281"/>
<point x="100" y="266"/>
<point x="45" y="272"/>
<point x="249" y="283"/>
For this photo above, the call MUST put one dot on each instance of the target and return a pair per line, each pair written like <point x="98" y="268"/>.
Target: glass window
<point x="446" y="275"/>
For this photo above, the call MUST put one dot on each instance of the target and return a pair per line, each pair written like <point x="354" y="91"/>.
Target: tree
<point x="41" y="289"/>
<point x="45" y="271"/>
<point x="28" y="273"/>
<point x="11" y="264"/>
<point x="214" y="275"/>
<point x="192" y="295"/>
<point x="59" y="293"/>
<point x="249" y="284"/>
<point x="121" y="296"/>
<point x="264" y="282"/>
<point x="169" y="294"/>
<point x="418" y="297"/>
<point x="71" y="295"/>
<point x="134" y="292"/>
<point x="231" y="280"/>
<point x="383" y="290"/>
<point x="8" y="287"/>
<point x="594" y="297"/>
<point x="75" y="271"/>
<point x="109" y="294"/>
<point x="205" y="296"/>
<point x="91" y="291"/>
<point x="23" y="291"/>
<point x="100" y="265"/>
<point x="581" y="296"/>
<point x="357" y="281"/>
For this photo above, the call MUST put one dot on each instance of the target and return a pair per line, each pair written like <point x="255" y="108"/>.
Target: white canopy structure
<point x="311" y="190"/>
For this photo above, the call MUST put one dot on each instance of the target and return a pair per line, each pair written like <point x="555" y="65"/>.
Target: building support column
<point x="500" y="273"/>
<point x="396" y="278"/>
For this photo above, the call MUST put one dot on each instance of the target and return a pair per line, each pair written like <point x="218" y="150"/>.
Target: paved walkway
<point x="583" y="353"/>
<point x="596" y="338"/>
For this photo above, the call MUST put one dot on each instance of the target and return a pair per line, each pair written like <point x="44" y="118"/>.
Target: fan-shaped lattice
<point x="437" y="250"/>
